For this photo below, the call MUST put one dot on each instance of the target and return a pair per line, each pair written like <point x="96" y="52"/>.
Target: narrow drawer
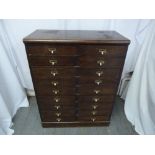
<point x="56" y="83"/>
<point x="47" y="116"/>
<point x="107" y="89"/>
<point x="52" y="61"/>
<point x="99" y="73"/>
<point x="57" y="108"/>
<point x="96" y="99"/>
<point x="94" y="106"/>
<point x="58" y="114"/>
<point x="56" y="100"/>
<point x="49" y="91"/>
<point x="93" y="79"/>
<point x="93" y="113"/>
<point x="94" y="119"/>
<point x="101" y="62"/>
<point x="53" y="73"/>
<point x="51" y="49"/>
<point x="103" y="50"/>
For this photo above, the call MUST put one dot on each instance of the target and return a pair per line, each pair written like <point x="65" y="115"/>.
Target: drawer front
<point x="48" y="116"/>
<point x="94" y="80"/>
<point x="96" y="99"/>
<point x="92" y="113"/>
<point x="49" y="91"/>
<point x="56" y="83"/>
<point x="56" y="100"/>
<point x="53" y="73"/>
<point x="58" y="108"/>
<point x="58" y="114"/>
<point x="94" y="119"/>
<point x="99" y="73"/>
<point x="95" y="106"/>
<point x="102" y="51"/>
<point x="107" y="89"/>
<point x="52" y="61"/>
<point x="50" y="50"/>
<point x="101" y="62"/>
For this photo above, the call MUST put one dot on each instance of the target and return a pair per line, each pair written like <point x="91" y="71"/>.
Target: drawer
<point x="52" y="61"/>
<point x="96" y="99"/>
<point x="48" y="116"/>
<point x="103" y="51"/>
<point x="51" y="49"/>
<point x="99" y="73"/>
<point x="49" y="91"/>
<point x="92" y="113"/>
<point x="56" y="100"/>
<point x="100" y="62"/>
<point x="52" y="73"/>
<point x="93" y="80"/>
<point x="58" y="108"/>
<point x="94" y="119"/>
<point x="58" y="114"/>
<point x="56" y="83"/>
<point x="94" y="106"/>
<point x="107" y="89"/>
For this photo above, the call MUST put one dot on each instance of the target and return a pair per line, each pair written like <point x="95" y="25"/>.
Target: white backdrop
<point x="15" y="30"/>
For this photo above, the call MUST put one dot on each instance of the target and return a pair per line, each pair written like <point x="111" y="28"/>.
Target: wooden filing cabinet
<point x="75" y="75"/>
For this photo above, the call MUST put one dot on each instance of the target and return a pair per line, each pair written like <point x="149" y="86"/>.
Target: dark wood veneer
<point x="75" y="75"/>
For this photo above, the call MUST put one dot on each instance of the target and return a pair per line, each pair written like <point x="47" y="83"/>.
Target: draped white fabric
<point x="14" y="70"/>
<point x="12" y="94"/>
<point x="140" y="100"/>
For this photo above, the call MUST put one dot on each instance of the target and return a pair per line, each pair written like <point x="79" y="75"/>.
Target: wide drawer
<point x="49" y="91"/>
<point x="56" y="100"/>
<point x="52" y="61"/>
<point x="51" y="49"/>
<point x="103" y="50"/>
<point x="91" y="62"/>
<point x="53" y="73"/>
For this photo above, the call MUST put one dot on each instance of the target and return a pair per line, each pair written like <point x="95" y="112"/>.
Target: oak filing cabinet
<point x="75" y="75"/>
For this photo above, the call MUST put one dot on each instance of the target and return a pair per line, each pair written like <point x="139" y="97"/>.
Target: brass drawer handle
<point x="100" y="62"/>
<point x="54" y="83"/>
<point x="58" y="119"/>
<point x="93" y="119"/>
<point x="102" y="51"/>
<point x="54" y="72"/>
<point x="98" y="82"/>
<point x="55" y="91"/>
<point x="56" y="99"/>
<point x="58" y="114"/>
<point x="97" y="91"/>
<point x="94" y="106"/>
<point x="94" y="112"/>
<point x="53" y="62"/>
<point x="99" y="73"/>
<point x="52" y="50"/>
<point x="57" y="107"/>
<point x="96" y="99"/>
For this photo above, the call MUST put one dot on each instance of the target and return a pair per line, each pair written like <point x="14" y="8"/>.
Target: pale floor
<point x="27" y="122"/>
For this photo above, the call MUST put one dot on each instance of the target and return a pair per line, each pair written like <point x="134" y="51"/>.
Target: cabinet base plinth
<point x="74" y="124"/>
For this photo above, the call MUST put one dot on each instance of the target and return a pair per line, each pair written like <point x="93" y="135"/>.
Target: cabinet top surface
<point x="76" y="36"/>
